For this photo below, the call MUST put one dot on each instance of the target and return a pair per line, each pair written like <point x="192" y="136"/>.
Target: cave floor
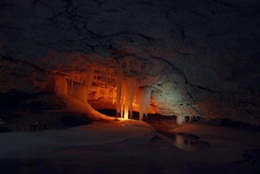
<point x="130" y="147"/>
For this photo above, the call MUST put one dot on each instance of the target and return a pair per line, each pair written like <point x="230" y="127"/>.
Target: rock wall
<point x="200" y="57"/>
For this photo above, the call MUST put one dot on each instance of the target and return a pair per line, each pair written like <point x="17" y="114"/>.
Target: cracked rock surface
<point x="201" y="57"/>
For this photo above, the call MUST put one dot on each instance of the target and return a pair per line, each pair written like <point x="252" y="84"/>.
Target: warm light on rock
<point x="130" y="86"/>
<point x="196" y="63"/>
<point x="128" y="92"/>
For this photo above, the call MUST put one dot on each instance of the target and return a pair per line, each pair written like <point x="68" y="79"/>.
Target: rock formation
<point x="198" y="57"/>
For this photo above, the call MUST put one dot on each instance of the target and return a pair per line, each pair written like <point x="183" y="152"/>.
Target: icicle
<point x="61" y="86"/>
<point x="114" y="96"/>
<point x="71" y="84"/>
<point x="126" y="91"/>
<point x="131" y="88"/>
<point x="120" y="78"/>
<point x="124" y="104"/>
<point x="144" y="95"/>
<point x="125" y="95"/>
<point x="90" y="75"/>
<point x="75" y="85"/>
<point x="180" y="120"/>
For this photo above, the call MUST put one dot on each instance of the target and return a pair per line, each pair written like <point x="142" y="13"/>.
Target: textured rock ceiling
<point x="201" y="57"/>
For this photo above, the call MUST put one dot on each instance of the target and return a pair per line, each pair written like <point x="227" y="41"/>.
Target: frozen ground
<point x="129" y="147"/>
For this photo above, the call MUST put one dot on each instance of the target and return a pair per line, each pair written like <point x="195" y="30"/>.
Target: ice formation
<point x="78" y="84"/>
<point x="85" y="108"/>
<point x="120" y="78"/>
<point x="128" y="93"/>
<point x="143" y="99"/>
<point x="61" y="87"/>
<point x="180" y="120"/>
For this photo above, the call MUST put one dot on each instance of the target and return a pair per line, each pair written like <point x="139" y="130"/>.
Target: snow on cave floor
<point x="128" y="147"/>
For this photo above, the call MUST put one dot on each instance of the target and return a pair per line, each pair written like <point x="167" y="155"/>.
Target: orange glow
<point x="96" y="84"/>
<point x="123" y="119"/>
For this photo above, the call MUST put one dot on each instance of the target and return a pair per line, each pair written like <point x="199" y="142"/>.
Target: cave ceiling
<point x="201" y="57"/>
